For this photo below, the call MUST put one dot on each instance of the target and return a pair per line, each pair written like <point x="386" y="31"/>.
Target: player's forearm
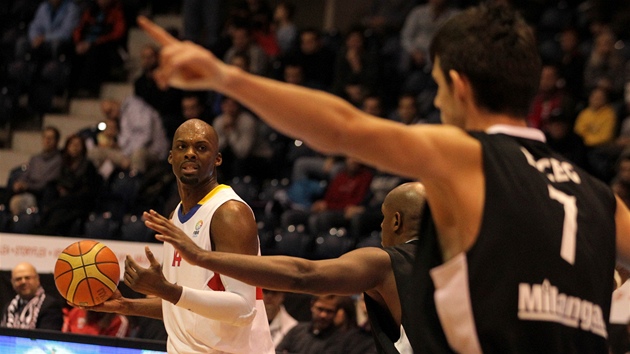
<point x="233" y="306"/>
<point x="298" y="112"/>
<point x="146" y="307"/>
<point x="270" y="272"/>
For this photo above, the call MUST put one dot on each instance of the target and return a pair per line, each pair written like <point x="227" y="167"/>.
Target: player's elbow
<point x="304" y="279"/>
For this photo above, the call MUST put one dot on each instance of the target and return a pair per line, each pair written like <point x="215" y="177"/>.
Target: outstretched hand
<point x="148" y="281"/>
<point x="183" y="65"/>
<point x="168" y="232"/>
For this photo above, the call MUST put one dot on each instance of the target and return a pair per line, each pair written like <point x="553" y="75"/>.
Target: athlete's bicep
<point x="233" y="229"/>
<point x="414" y="151"/>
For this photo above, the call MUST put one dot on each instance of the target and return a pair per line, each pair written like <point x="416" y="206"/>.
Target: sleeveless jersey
<point x="384" y="329"/>
<point x="540" y="274"/>
<point x="189" y="332"/>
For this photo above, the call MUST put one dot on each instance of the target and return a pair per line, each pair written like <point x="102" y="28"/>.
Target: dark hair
<point x="67" y="159"/>
<point x="200" y="96"/>
<point x="289" y="7"/>
<point x="317" y="33"/>
<point x="244" y="55"/>
<point x="494" y="48"/>
<point x="346" y="303"/>
<point x="54" y="130"/>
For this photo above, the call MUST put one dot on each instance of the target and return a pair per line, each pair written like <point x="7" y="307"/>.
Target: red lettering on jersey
<point x="177" y="260"/>
<point x="215" y="283"/>
<point x="259" y="294"/>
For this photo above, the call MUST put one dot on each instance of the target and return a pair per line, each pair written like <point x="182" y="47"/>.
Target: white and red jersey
<point x="189" y="332"/>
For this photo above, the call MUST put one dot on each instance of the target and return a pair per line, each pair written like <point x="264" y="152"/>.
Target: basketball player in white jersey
<point x="203" y="312"/>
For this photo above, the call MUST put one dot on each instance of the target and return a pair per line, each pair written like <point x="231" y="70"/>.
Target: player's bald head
<point x="196" y="127"/>
<point x="407" y="199"/>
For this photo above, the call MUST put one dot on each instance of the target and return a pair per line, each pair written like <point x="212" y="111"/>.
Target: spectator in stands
<point x="294" y="74"/>
<point x="41" y="68"/>
<point x="142" y="137"/>
<point x="355" y="92"/>
<point x="73" y="194"/>
<point x="320" y="335"/>
<point x="31" y="308"/>
<point x="605" y="65"/>
<point x="317" y="60"/>
<point x="373" y="104"/>
<point x="280" y="321"/>
<point x="97" y="40"/>
<point x="244" y="152"/>
<point x="561" y="138"/>
<point x="596" y="125"/>
<point x="285" y="29"/>
<point x="572" y="62"/>
<point x="385" y="18"/>
<point x="407" y="110"/>
<point x="96" y="323"/>
<point x="366" y="216"/>
<point x="50" y="31"/>
<point x="43" y="168"/>
<point x="355" y="62"/>
<point x="194" y="106"/>
<point x="420" y="25"/>
<point x="346" y="320"/>
<point x="550" y="99"/>
<point x="348" y="188"/>
<point x="201" y="21"/>
<point x="167" y="101"/>
<point x="597" y="122"/>
<point x="242" y="42"/>
<point x="241" y="61"/>
<point x="106" y="154"/>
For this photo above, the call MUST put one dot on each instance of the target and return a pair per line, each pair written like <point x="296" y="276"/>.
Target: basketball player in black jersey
<point x="521" y="249"/>
<point x="384" y="275"/>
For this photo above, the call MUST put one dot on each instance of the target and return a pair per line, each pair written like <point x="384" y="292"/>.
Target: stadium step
<point x="69" y="124"/>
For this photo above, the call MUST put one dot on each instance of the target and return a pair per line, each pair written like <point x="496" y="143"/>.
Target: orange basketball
<point x="87" y="273"/>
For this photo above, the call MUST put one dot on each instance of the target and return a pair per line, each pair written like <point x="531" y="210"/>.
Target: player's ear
<point x="461" y="85"/>
<point x="397" y="221"/>
<point x="170" y="157"/>
<point x="218" y="160"/>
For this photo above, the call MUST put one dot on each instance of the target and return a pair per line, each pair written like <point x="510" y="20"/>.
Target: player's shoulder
<point x="233" y="206"/>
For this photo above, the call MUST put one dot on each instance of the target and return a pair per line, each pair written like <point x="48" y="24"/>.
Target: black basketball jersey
<point x="540" y="274"/>
<point x="384" y="329"/>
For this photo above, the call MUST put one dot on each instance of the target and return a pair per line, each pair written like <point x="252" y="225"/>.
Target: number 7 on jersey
<point x="569" y="227"/>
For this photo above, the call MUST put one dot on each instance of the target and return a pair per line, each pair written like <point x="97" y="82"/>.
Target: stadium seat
<point x="292" y="243"/>
<point x="374" y="240"/>
<point x="24" y="223"/>
<point x="133" y="229"/>
<point x="331" y="246"/>
<point x="101" y="226"/>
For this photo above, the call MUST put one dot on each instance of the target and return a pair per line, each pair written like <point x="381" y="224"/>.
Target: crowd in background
<point x="306" y="203"/>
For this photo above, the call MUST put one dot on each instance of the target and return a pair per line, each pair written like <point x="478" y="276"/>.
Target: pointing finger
<point x="156" y="32"/>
